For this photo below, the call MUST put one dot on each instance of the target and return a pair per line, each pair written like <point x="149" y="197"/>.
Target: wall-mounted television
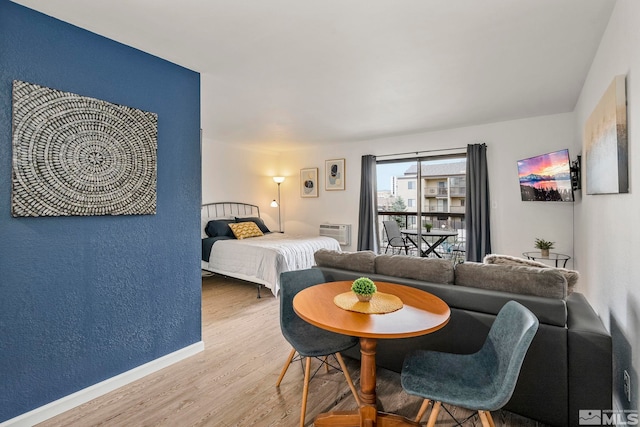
<point x="546" y="178"/>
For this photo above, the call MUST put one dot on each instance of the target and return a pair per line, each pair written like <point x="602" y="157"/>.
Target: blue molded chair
<point x="482" y="381"/>
<point x="307" y="340"/>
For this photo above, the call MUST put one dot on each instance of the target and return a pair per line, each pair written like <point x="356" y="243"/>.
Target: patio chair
<point x="456" y="250"/>
<point x="483" y="381"/>
<point x="394" y="237"/>
<point x="459" y="249"/>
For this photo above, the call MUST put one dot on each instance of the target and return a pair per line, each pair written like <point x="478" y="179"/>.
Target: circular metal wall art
<point x="75" y="155"/>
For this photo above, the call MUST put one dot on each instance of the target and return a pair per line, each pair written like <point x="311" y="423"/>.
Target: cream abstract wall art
<point x="334" y="172"/>
<point x="76" y="155"/>
<point x="309" y="182"/>
<point x="605" y="142"/>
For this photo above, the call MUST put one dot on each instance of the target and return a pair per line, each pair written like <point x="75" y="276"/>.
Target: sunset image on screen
<point x="546" y="177"/>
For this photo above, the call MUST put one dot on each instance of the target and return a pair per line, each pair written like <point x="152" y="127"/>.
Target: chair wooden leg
<point x="305" y="390"/>
<point x="434" y="414"/>
<point x="486" y="419"/>
<point x="348" y="377"/>
<point x="423" y="409"/>
<point x="490" y="418"/>
<point x="326" y="365"/>
<point x="286" y="366"/>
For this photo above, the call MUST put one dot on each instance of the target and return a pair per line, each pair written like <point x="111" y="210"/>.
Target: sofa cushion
<point x="363" y="261"/>
<point x="544" y="282"/>
<point x="571" y="275"/>
<point x="432" y="270"/>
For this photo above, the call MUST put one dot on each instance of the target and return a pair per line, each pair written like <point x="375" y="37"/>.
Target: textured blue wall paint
<point x="85" y="298"/>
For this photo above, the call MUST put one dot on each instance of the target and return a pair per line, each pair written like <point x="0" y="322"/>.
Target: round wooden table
<point x="422" y="313"/>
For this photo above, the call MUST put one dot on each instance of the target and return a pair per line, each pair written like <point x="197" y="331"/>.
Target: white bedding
<point x="262" y="259"/>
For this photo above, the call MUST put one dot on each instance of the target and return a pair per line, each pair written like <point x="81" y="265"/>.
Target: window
<point x="435" y="186"/>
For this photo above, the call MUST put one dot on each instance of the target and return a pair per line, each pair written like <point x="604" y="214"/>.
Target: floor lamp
<point x="276" y="204"/>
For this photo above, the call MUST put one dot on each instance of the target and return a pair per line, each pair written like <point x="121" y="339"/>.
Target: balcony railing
<point x="458" y="191"/>
<point x="447" y="220"/>
<point x="436" y="192"/>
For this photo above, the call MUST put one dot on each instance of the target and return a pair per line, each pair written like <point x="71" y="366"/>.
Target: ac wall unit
<point x="340" y="232"/>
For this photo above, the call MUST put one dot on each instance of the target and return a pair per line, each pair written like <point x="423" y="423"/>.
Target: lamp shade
<point x="278" y="179"/>
<point x="274" y="204"/>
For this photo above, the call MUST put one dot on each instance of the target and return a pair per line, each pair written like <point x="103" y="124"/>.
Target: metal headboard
<point x="229" y="210"/>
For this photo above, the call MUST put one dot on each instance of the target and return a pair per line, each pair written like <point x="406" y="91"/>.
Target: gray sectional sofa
<point x="569" y="365"/>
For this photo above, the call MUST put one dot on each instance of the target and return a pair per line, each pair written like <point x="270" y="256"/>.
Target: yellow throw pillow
<point x="243" y="230"/>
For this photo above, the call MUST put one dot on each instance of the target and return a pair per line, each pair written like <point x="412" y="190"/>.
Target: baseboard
<point x="59" y="406"/>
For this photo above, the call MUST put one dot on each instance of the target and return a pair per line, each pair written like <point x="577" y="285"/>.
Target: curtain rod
<point x="421" y="152"/>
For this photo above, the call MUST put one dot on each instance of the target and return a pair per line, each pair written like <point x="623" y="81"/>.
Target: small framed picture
<point x="334" y="174"/>
<point x="309" y="182"/>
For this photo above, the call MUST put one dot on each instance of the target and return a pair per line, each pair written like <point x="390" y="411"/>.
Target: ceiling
<point x="280" y="73"/>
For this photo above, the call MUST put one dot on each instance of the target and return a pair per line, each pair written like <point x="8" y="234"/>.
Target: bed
<point x="258" y="259"/>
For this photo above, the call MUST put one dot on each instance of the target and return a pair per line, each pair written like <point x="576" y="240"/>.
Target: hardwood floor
<point x="232" y="382"/>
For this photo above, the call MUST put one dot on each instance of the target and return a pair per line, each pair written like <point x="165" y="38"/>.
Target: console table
<point x="552" y="257"/>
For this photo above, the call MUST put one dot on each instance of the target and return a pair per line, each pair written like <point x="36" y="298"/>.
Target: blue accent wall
<point x="83" y="299"/>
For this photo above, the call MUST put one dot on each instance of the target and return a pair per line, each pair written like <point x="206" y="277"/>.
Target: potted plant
<point x="544" y="246"/>
<point x="364" y="288"/>
<point x="427" y="226"/>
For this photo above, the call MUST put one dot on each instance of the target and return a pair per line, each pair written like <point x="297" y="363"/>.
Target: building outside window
<point x="441" y="190"/>
<point x="443" y="185"/>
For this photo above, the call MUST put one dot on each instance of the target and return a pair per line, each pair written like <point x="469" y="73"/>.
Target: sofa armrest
<point x="590" y="359"/>
<point x="550" y="311"/>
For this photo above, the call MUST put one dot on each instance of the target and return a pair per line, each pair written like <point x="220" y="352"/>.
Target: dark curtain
<point x="477" y="203"/>
<point x="368" y="216"/>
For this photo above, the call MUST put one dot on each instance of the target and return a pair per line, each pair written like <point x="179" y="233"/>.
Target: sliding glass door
<point x="422" y="193"/>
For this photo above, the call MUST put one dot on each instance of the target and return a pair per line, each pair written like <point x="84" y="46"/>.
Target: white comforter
<point x="262" y="259"/>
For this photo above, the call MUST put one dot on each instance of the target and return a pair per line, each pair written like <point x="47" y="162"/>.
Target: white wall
<point x="515" y="224"/>
<point x="607" y="230"/>
<point x="233" y="174"/>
